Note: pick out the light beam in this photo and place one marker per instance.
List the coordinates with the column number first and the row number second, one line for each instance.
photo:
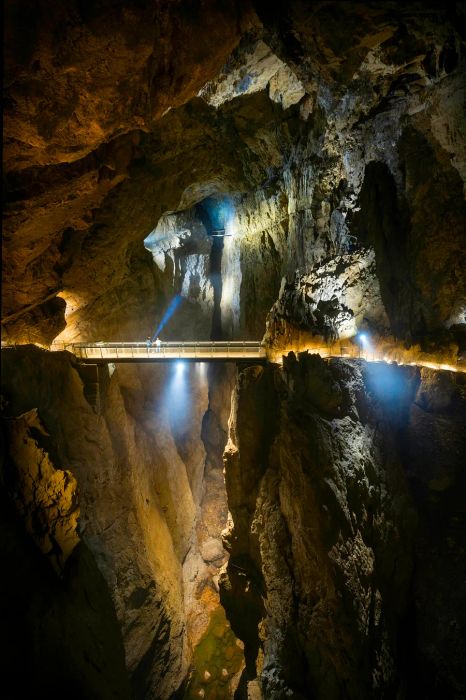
column 169, row 311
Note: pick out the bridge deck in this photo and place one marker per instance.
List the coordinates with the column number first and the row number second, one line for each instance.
column 207, row 351
column 249, row 351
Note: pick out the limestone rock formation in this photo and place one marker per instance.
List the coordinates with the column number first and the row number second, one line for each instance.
column 46, row 497
column 145, row 448
column 331, row 303
column 181, row 249
column 374, row 111
column 328, row 539
column 252, row 69
column 82, row 84
column 57, row 632
column 291, row 169
column 137, row 496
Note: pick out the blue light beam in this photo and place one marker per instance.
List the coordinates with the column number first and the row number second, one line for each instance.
column 169, row 311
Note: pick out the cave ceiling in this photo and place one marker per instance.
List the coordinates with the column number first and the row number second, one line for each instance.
column 325, row 123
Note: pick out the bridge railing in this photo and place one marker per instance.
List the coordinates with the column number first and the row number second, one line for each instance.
column 346, row 351
column 168, row 350
column 234, row 349
column 201, row 349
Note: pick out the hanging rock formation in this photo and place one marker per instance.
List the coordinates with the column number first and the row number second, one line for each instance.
column 366, row 153
column 326, row 140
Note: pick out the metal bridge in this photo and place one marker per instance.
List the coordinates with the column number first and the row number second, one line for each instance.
column 208, row 351
column 249, row 351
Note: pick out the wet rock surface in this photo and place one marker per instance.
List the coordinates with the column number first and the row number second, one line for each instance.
column 328, row 541
column 218, row 661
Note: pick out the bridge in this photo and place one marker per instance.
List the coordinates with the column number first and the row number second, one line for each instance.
column 250, row 351
column 207, row 351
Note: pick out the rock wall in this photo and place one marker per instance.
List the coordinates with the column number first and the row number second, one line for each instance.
column 335, row 133
column 328, row 305
column 83, row 84
column 331, row 484
column 330, row 137
column 45, row 497
column 149, row 518
column 59, row 634
column 344, row 483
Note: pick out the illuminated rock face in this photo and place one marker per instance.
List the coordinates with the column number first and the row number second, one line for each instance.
column 148, row 515
column 328, row 136
column 328, row 305
column 336, row 132
column 344, row 482
column 46, row 498
column 334, row 489
column 181, row 250
column 84, row 84
column 257, row 69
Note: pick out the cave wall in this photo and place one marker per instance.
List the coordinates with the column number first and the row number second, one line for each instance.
column 344, row 484
column 336, row 131
column 292, row 126
column 381, row 164
column 58, row 634
column 418, row 238
column 134, row 443
column 341, row 481
column 83, row 84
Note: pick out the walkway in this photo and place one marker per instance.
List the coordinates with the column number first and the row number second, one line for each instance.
column 225, row 351
column 222, row 351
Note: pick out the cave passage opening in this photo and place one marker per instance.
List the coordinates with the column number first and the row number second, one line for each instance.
column 306, row 181
column 216, row 213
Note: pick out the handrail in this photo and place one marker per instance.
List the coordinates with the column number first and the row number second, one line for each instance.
column 232, row 350
column 170, row 343
column 169, row 350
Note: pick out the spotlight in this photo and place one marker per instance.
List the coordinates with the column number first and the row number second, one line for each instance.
column 180, row 366
column 363, row 337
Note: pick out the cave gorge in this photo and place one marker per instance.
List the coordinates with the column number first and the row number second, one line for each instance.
column 233, row 350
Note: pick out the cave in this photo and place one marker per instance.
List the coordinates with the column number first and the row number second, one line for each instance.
column 233, row 377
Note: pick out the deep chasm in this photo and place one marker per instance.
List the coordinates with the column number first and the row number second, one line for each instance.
column 233, row 352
